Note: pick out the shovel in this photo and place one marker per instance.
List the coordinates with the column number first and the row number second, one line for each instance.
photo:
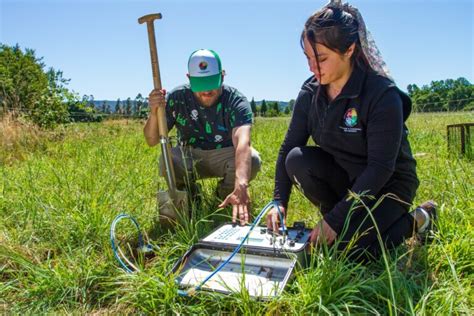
column 172, row 204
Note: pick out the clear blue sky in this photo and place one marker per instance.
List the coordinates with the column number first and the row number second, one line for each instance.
column 104, row 51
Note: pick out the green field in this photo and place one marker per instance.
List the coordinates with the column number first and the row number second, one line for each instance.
column 58, row 201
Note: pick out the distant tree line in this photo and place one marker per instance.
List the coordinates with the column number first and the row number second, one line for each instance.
column 41, row 95
column 443, row 95
column 137, row 108
column 271, row 109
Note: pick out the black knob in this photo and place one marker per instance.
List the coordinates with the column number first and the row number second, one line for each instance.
column 299, row 225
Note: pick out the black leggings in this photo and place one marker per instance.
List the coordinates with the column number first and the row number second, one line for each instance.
column 325, row 183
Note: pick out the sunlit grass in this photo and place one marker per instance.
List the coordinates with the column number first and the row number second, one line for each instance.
column 57, row 204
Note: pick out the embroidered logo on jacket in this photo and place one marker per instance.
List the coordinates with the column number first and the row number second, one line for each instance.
column 350, row 118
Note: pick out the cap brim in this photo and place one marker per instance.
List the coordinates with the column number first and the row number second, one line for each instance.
column 199, row 84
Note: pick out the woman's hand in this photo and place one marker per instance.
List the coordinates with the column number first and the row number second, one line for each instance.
column 322, row 233
column 273, row 218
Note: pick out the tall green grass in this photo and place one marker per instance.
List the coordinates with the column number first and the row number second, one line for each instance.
column 57, row 204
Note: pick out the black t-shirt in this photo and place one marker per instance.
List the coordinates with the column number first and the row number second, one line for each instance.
column 207, row 127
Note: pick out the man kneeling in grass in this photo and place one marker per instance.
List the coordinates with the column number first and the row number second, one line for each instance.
column 213, row 122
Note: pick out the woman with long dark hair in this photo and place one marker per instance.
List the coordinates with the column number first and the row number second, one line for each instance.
column 356, row 115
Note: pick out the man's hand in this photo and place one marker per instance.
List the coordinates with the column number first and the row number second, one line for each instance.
column 156, row 99
column 240, row 201
column 322, row 233
column 273, row 218
column 240, row 198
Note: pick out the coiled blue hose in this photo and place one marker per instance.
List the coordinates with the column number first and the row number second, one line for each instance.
column 115, row 248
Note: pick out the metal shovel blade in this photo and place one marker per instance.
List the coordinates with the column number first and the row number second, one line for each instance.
column 172, row 208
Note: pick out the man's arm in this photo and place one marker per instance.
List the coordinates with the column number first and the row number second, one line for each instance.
column 156, row 99
column 151, row 129
column 239, row 198
column 243, row 155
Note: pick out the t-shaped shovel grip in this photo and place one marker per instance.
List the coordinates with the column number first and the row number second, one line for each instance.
column 149, row 18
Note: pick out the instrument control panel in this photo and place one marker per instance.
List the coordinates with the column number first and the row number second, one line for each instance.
column 293, row 239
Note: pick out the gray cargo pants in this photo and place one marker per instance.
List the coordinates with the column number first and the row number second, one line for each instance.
column 191, row 163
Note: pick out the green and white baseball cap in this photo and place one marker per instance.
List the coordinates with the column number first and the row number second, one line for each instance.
column 205, row 70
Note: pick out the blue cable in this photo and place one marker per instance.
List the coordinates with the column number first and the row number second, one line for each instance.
column 112, row 239
column 255, row 222
column 283, row 226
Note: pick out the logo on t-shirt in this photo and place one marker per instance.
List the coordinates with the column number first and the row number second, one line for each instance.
column 194, row 115
column 350, row 118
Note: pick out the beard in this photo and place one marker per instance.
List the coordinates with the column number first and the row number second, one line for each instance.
column 208, row 98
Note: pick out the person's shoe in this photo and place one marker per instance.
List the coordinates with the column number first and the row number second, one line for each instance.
column 427, row 231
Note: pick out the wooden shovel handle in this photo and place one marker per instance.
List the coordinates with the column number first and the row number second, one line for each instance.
column 161, row 113
column 155, row 67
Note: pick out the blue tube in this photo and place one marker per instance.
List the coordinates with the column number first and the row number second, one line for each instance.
column 112, row 239
column 283, row 226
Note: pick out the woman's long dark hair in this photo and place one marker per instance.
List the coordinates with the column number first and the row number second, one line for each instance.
column 337, row 30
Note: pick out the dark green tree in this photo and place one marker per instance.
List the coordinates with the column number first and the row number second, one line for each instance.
column 28, row 89
column 128, row 106
column 276, row 108
column 38, row 94
column 103, row 107
column 253, row 106
column 118, row 107
column 263, row 108
column 22, row 79
column 291, row 105
column 139, row 101
column 145, row 110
